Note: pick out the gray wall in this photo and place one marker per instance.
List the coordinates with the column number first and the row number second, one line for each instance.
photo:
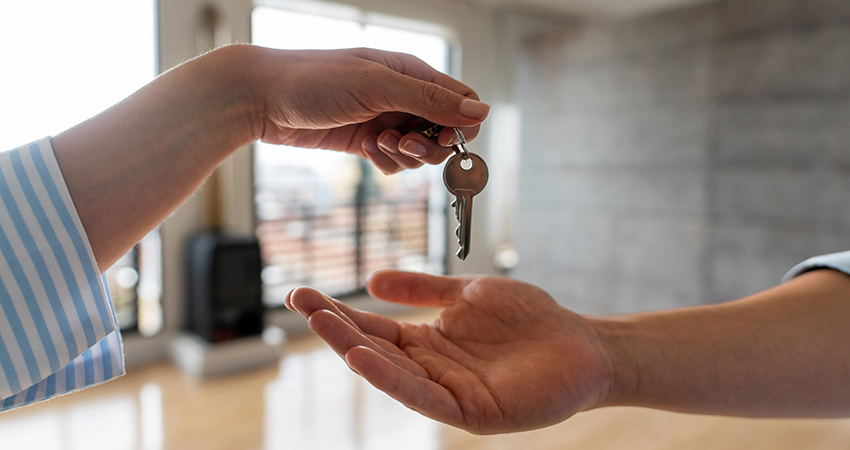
column 684, row 158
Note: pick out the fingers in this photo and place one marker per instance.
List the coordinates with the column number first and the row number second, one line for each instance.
column 423, row 149
column 342, row 336
column 401, row 83
column 416, row 289
column 428, row 151
column 448, row 138
column 414, row 67
column 418, row 393
column 383, row 162
column 341, row 331
column 306, row 301
column 433, row 102
column 388, row 142
column 391, row 151
column 409, row 85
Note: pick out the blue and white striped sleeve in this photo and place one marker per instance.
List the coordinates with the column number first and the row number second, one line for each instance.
column 58, row 331
column 835, row 261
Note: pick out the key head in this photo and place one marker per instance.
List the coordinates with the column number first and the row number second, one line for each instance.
column 469, row 174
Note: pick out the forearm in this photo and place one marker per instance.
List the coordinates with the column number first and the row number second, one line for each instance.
column 129, row 167
column 779, row 353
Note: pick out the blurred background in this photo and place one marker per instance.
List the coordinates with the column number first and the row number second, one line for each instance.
column 643, row 154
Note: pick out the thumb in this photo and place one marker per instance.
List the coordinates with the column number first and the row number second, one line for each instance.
column 416, row 289
column 433, row 102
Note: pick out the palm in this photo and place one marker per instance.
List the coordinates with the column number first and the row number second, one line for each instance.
column 501, row 356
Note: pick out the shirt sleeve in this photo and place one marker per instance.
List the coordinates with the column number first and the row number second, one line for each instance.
column 836, row 261
column 58, row 331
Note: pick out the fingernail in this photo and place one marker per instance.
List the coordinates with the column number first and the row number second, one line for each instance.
column 413, row 149
column 371, row 145
column 473, row 109
column 452, row 141
column 389, row 143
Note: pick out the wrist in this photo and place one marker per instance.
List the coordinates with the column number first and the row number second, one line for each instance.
column 618, row 341
column 231, row 90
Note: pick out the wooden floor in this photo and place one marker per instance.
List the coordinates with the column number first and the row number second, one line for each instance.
column 312, row 401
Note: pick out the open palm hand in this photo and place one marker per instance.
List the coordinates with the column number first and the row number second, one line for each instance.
column 502, row 356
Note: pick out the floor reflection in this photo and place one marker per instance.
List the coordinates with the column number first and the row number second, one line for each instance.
column 317, row 403
column 150, row 417
column 312, row 401
column 107, row 423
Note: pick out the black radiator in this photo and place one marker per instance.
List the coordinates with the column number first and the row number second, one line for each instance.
column 224, row 287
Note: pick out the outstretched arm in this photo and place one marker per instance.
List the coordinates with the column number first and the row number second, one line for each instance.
column 129, row 167
column 503, row 356
column 778, row 353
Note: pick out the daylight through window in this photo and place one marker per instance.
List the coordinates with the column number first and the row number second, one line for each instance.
column 68, row 61
column 329, row 219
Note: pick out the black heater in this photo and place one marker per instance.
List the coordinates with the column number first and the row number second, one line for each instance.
column 225, row 289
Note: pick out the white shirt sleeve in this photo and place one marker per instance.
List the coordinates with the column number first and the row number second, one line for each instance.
column 58, row 331
column 836, row 261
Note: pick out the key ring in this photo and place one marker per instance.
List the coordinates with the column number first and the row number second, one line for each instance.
column 461, row 145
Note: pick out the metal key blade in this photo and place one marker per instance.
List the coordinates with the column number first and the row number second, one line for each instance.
column 464, row 228
column 465, row 175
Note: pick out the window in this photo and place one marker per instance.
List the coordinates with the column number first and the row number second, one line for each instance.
column 330, row 219
column 67, row 62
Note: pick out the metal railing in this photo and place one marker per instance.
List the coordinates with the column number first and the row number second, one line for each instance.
column 334, row 247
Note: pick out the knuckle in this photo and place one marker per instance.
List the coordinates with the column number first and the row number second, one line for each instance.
column 434, row 95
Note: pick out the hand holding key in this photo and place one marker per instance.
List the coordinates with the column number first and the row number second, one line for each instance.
column 356, row 100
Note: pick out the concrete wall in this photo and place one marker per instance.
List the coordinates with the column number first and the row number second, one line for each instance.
column 684, row 158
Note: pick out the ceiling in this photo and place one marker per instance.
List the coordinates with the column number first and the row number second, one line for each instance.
column 594, row 8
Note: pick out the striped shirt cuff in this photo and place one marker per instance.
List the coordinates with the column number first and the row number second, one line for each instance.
column 835, row 261
column 56, row 319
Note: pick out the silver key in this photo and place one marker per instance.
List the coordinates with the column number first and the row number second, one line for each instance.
column 465, row 175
